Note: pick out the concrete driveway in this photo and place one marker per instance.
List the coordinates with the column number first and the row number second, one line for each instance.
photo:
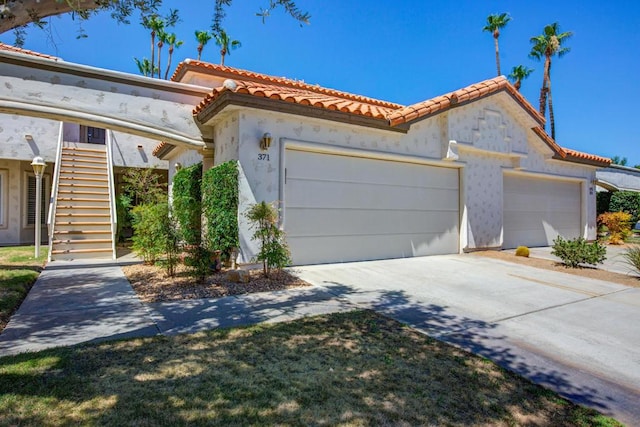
column 577, row 336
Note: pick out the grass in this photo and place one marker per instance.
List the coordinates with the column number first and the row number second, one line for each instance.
column 350, row 369
column 19, row 269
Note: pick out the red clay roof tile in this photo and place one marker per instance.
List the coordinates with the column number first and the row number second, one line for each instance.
column 10, row 48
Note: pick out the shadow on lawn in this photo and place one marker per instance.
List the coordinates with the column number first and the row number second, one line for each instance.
column 350, row 367
column 355, row 367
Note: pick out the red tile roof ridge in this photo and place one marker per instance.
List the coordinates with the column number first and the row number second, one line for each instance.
column 246, row 75
column 586, row 156
column 10, row 48
column 159, row 147
column 466, row 94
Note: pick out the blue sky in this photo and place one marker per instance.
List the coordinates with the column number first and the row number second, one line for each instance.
column 408, row 51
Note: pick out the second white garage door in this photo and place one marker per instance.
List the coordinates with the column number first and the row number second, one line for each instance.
column 536, row 211
column 341, row 208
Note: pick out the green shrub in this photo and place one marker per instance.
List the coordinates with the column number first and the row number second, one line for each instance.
column 143, row 186
column 149, row 230
column 123, row 213
column 603, row 200
column 632, row 257
column 220, row 208
column 578, row 251
column 274, row 252
column 626, row 201
column 198, row 260
column 522, row 251
column 187, row 202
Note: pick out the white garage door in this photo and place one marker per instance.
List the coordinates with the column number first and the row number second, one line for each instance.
column 341, row 208
column 536, row 211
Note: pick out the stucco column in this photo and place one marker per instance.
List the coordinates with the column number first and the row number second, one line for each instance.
column 207, row 158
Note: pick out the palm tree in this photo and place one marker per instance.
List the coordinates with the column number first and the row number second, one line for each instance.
column 519, row 73
column 144, row 66
column 155, row 24
column 547, row 45
column 162, row 39
column 494, row 24
column 203, row 38
column 173, row 42
column 224, row 42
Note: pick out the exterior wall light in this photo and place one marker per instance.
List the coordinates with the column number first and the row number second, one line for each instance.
column 265, row 141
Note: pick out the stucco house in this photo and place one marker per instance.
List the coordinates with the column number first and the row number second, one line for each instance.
column 82, row 190
column 359, row 178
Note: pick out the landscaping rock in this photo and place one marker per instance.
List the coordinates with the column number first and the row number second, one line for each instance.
column 238, row 276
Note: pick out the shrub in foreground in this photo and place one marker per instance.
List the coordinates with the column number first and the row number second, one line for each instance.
column 274, row 252
column 522, row 251
column 632, row 257
column 578, row 251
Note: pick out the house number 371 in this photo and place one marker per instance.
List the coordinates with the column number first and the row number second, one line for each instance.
column 263, row 157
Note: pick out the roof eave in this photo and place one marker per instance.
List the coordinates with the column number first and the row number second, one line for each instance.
column 226, row 98
column 582, row 161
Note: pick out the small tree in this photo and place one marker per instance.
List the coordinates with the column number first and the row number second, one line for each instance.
column 274, row 252
column 619, row 225
column 143, row 185
column 149, row 241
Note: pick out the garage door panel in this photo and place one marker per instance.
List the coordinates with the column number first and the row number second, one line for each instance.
column 362, row 248
column 537, row 210
column 351, row 195
column 358, row 222
column 341, row 208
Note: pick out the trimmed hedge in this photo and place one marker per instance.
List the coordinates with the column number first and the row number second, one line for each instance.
column 187, row 202
column 626, row 201
column 220, row 207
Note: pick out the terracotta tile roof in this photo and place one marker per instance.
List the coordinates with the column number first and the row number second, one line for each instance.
column 461, row 96
column 571, row 155
column 10, row 48
column 288, row 90
column 159, row 147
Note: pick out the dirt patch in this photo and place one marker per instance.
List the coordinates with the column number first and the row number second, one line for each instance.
column 592, row 273
column 152, row 284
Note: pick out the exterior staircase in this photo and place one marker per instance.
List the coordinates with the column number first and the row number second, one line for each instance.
column 82, row 223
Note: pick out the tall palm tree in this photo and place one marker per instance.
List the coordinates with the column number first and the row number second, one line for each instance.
column 144, row 66
column 155, row 24
column 519, row 73
column 494, row 24
column 224, row 42
column 548, row 45
column 162, row 39
column 203, row 38
column 173, row 43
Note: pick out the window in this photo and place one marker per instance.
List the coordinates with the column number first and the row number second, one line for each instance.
column 31, row 200
column 92, row 135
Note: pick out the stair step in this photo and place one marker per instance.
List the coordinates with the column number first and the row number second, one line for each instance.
column 86, row 193
column 82, row 149
column 80, row 241
column 90, row 215
column 75, row 185
column 82, row 199
column 74, row 166
column 79, row 251
column 75, row 173
column 66, row 151
column 82, row 207
column 77, row 178
column 85, row 161
column 77, row 233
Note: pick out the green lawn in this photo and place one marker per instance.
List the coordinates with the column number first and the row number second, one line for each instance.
column 18, row 270
column 350, row 369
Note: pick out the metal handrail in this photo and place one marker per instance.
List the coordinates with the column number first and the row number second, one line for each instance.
column 112, row 192
column 53, row 200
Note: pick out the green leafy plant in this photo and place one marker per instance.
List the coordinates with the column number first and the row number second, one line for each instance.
column 522, row 251
column 626, row 201
column 632, row 257
column 220, row 208
column 149, row 225
column 603, row 200
column 578, row 251
column 144, row 186
column 199, row 261
column 123, row 213
column 274, row 252
column 187, row 202
column 618, row 225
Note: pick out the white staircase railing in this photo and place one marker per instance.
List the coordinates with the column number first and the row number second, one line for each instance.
column 112, row 192
column 53, row 200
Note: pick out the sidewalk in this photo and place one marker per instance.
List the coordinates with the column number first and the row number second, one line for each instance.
column 75, row 302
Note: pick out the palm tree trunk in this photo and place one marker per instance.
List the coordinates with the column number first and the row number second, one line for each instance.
column 552, row 119
column 517, row 85
column 544, row 91
column 159, row 58
column 223, row 53
column 199, row 51
column 166, row 73
column 495, row 39
column 153, row 50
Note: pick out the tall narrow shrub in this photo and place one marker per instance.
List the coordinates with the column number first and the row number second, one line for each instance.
column 187, row 202
column 220, row 208
column 274, row 252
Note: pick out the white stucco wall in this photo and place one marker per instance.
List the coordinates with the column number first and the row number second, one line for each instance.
column 23, row 138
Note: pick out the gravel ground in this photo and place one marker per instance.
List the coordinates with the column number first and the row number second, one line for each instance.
column 152, row 284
